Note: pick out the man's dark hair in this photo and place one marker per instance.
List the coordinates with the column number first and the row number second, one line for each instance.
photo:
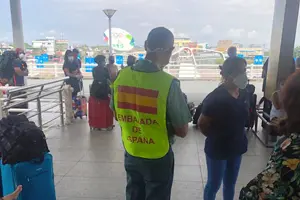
column 99, row 58
column 67, row 53
column 131, row 60
column 111, row 59
column 232, row 51
column 75, row 51
column 231, row 65
column 159, row 39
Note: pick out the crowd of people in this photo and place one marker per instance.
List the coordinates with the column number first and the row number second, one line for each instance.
column 156, row 96
column 151, row 109
column 13, row 68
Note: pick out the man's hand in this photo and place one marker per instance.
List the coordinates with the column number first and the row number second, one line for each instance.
column 14, row 195
column 79, row 76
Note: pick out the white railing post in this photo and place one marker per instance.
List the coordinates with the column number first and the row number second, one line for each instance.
column 55, row 70
column 2, row 113
column 251, row 71
column 67, row 93
column 195, row 71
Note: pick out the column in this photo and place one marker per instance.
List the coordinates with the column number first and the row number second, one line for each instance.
column 17, row 25
column 282, row 43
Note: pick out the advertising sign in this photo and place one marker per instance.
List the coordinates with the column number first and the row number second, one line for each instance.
column 121, row 39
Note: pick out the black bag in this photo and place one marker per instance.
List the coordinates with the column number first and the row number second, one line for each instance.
column 252, row 99
column 197, row 114
column 21, row 140
column 6, row 64
column 100, row 90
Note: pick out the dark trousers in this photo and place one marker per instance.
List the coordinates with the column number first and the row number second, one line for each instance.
column 149, row 179
column 218, row 171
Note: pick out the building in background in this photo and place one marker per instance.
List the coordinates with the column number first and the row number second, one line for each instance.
column 61, row 45
column 250, row 52
column 203, row 45
column 5, row 47
column 238, row 45
column 182, row 42
column 223, row 45
column 47, row 45
column 255, row 46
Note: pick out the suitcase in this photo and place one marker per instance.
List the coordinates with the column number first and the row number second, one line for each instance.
column 37, row 179
column 80, row 103
column 100, row 114
column 80, row 106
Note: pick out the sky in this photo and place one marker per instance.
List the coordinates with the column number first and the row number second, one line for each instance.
column 83, row 22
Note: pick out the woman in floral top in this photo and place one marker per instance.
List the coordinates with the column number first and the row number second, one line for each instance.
column 281, row 178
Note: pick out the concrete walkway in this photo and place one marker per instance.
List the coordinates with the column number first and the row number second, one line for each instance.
column 89, row 165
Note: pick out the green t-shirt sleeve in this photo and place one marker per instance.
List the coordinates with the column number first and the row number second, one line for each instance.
column 177, row 109
column 111, row 103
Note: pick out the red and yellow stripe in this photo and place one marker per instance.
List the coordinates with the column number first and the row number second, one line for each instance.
column 138, row 99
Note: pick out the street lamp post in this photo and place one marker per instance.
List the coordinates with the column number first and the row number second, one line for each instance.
column 109, row 13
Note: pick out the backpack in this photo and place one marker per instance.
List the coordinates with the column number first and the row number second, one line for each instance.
column 21, row 140
column 252, row 99
column 6, row 64
column 197, row 114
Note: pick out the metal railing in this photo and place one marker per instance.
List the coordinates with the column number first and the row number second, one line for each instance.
column 264, row 138
column 42, row 103
column 182, row 71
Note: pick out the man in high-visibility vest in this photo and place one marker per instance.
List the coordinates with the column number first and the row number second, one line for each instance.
column 151, row 109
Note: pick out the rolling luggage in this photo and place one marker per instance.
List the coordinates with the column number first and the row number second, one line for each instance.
column 80, row 104
column 36, row 178
column 100, row 114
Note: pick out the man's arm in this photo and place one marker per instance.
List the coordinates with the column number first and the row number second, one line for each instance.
column 67, row 72
column 19, row 72
column 112, row 104
column 18, row 68
column 204, row 123
column 212, row 107
column 177, row 110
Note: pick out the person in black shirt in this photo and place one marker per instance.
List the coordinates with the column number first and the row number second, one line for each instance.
column 20, row 68
column 222, row 121
column 100, row 86
column 76, row 57
column 72, row 69
column 131, row 60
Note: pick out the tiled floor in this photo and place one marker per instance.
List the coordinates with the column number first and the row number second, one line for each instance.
column 89, row 165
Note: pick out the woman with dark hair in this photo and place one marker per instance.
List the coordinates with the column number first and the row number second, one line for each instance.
column 281, row 178
column 222, row 121
column 100, row 86
column 131, row 60
column 72, row 70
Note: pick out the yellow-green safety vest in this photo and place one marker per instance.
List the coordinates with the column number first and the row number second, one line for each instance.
column 140, row 100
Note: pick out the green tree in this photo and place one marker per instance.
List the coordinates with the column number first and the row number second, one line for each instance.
column 27, row 46
column 297, row 52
